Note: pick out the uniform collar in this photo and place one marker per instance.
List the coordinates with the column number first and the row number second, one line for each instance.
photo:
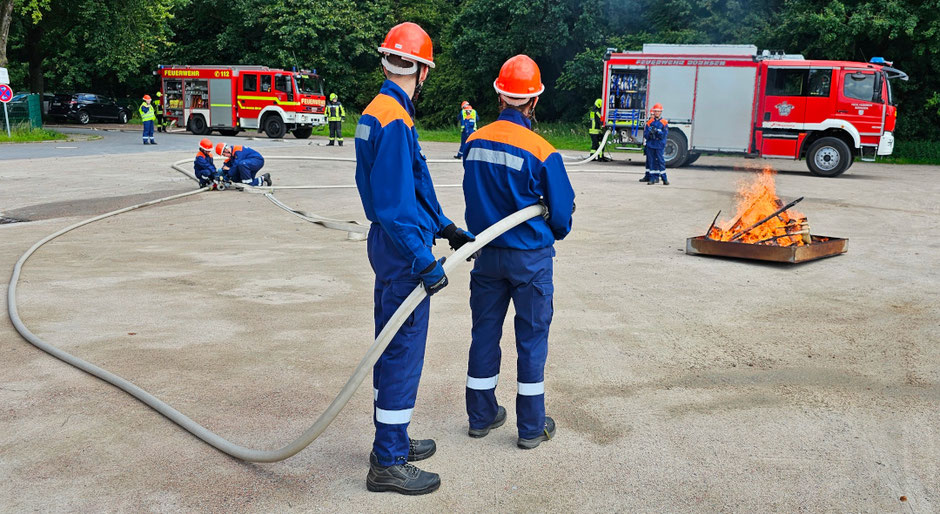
column 516, row 117
column 393, row 90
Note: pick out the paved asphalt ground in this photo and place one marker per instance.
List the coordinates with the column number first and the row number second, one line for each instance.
column 680, row 383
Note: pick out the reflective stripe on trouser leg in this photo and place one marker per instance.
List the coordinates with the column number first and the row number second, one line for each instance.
column 396, row 374
column 533, row 304
column 489, row 300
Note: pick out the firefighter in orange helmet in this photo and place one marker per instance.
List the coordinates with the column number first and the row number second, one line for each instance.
column 203, row 165
column 654, row 137
column 398, row 197
column 507, row 167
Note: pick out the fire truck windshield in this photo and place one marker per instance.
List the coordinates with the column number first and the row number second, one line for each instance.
column 890, row 99
column 309, row 84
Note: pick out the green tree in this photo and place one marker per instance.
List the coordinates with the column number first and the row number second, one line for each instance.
column 82, row 43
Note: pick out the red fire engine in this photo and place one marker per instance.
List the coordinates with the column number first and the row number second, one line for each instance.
column 234, row 98
column 730, row 99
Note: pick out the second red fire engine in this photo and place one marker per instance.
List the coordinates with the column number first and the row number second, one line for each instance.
column 730, row 99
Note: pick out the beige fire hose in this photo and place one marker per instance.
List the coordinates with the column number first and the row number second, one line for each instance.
column 343, row 397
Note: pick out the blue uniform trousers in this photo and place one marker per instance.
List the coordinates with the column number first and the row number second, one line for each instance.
column 656, row 163
column 148, row 131
column 463, row 141
column 525, row 277
column 396, row 374
column 245, row 171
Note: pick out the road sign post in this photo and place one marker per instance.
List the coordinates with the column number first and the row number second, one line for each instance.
column 6, row 94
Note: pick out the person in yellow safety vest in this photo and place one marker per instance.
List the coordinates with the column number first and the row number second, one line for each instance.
column 335, row 115
column 468, row 125
column 597, row 128
column 158, row 105
column 147, row 116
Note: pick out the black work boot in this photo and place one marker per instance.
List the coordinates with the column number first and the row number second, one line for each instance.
column 646, row 177
column 497, row 422
column 340, row 143
column 548, row 433
column 418, row 449
column 329, row 144
column 665, row 181
column 402, row 478
column 266, row 179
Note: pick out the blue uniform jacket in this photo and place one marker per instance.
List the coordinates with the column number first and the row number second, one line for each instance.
column 243, row 154
column 204, row 166
column 393, row 179
column 507, row 167
column 655, row 134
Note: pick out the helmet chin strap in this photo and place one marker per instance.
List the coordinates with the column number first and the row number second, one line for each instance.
column 418, row 83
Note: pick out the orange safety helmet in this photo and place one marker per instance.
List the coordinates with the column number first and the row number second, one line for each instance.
column 219, row 148
column 465, row 105
column 409, row 41
column 657, row 107
column 205, row 145
column 147, row 97
column 519, row 78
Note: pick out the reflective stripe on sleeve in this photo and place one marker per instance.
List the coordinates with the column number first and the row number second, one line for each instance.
column 495, row 157
column 375, row 394
column 363, row 131
column 393, row 417
column 482, row 384
column 533, row 389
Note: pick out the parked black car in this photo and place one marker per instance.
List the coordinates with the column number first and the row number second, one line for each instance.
column 87, row 107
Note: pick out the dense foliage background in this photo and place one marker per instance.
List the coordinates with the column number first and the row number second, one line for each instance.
column 112, row 46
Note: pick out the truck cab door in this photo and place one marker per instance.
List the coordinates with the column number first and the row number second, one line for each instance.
column 860, row 102
column 782, row 111
column 820, row 98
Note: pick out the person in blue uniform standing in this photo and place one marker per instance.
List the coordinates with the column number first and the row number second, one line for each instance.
column 508, row 167
column 242, row 165
column 398, row 198
column 203, row 165
column 654, row 135
column 468, row 125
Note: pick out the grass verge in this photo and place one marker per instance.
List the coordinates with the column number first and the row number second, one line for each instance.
column 24, row 133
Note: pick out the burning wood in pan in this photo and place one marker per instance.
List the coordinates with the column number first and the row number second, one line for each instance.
column 764, row 228
column 761, row 217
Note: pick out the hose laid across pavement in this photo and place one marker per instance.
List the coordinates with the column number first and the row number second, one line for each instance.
column 211, row 438
column 600, row 148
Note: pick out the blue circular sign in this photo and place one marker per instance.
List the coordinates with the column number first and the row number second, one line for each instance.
column 5, row 93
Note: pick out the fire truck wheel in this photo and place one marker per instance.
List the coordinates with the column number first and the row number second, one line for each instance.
column 198, row 126
column 302, row 133
column 828, row 157
column 274, row 127
column 692, row 158
column 677, row 149
column 229, row 132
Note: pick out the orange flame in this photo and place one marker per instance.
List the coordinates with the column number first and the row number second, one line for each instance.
column 756, row 199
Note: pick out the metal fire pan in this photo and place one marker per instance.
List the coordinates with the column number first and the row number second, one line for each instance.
column 792, row 254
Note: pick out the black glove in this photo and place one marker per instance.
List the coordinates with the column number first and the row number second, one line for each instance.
column 433, row 277
column 457, row 236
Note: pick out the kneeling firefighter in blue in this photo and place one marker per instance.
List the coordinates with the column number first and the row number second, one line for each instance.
column 654, row 135
column 242, row 165
column 508, row 167
column 398, row 198
column 203, row 165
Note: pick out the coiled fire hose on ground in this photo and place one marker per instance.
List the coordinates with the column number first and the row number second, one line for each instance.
column 211, row 438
